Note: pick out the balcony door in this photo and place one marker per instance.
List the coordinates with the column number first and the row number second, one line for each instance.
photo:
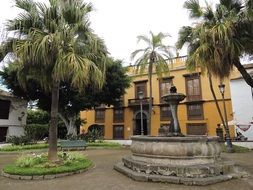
column 137, row 129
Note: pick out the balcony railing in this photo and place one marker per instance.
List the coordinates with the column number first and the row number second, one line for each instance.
column 136, row 102
column 193, row 97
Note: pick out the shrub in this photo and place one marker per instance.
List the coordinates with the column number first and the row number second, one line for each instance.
column 19, row 140
column 37, row 131
column 93, row 135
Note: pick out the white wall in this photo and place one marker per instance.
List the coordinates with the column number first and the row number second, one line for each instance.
column 17, row 116
column 242, row 102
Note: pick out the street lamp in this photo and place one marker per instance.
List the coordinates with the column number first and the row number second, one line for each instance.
column 140, row 94
column 228, row 139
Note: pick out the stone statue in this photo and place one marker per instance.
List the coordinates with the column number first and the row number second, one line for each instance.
column 173, row 89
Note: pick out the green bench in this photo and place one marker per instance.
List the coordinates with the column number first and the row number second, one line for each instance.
column 73, row 144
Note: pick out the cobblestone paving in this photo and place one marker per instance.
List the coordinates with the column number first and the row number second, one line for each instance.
column 103, row 177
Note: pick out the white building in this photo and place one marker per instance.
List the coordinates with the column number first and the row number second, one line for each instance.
column 13, row 112
column 242, row 102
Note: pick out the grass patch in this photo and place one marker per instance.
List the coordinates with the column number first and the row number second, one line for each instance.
column 236, row 148
column 105, row 144
column 11, row 148
column 37, row 165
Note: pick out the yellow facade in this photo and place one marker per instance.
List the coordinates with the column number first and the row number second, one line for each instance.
column 178, row 75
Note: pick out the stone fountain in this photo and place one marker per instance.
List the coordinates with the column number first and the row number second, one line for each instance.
column 174, row 158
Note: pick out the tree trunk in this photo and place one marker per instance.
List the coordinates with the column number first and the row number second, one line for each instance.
column 215, row 98
column 150, row 71
column 246, row 76
column 72, row 128
column 70, row 124
column 228, row 139
column 52, row 152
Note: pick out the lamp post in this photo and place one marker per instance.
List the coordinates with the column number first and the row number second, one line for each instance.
column 228, row 139
column 140, row 94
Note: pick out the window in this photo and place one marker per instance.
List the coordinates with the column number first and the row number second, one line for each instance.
column 118, row 115
column 4, row 109
column 196, row 129
column 99, row 115
column 193, row 90
column 165, row 113
column 165, row 85
column 140, row 86
column 195, row 111
column 118, row 132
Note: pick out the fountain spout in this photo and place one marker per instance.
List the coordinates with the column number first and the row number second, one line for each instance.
column 173, row 99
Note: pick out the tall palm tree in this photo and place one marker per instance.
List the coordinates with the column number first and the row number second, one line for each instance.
column 226, row 33
column 54, row 43
column 155, row 55
column 216, row 41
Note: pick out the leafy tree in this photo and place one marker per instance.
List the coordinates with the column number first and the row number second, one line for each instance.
column 53, row 44
column 154, row 56
column 71, row 100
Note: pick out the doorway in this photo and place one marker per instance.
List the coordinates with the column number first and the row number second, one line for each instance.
column 137, row 130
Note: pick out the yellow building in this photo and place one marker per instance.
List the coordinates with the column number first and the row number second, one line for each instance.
column 197, row 113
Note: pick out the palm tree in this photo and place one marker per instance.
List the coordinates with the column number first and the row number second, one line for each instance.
column 225, row 33
column 54, row 43
column 216, row 42
column 154, row 55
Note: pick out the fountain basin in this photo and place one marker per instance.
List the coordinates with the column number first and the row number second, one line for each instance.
column 189, row 160
column 184, row 151
column 173, row 97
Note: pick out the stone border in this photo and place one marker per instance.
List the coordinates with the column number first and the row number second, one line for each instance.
column 138, row 176
column 45, row 177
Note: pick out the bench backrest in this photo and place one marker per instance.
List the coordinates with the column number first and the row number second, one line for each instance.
column 73, row 143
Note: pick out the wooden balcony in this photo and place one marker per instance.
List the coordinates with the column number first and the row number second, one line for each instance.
column 193, row 97
column 136, row 102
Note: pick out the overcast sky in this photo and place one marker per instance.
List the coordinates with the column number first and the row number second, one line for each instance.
column 119, row 22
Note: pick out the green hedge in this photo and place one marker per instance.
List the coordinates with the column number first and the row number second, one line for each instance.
column 11, row 148
column 37, row 131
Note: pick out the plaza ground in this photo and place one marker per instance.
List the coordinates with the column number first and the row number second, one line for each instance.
column 103, row 177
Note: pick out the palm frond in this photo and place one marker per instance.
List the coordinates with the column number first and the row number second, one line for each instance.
column 184, row 36
column 143, row 38
column 194, row 8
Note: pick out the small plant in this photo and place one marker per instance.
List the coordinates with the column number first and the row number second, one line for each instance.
column 94, row 135
column 31, row 160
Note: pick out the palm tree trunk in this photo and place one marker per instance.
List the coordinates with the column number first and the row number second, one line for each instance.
column 52, row 152
column 228, row 139
column 215, row 98
column 150, row 70
column 248, row 79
